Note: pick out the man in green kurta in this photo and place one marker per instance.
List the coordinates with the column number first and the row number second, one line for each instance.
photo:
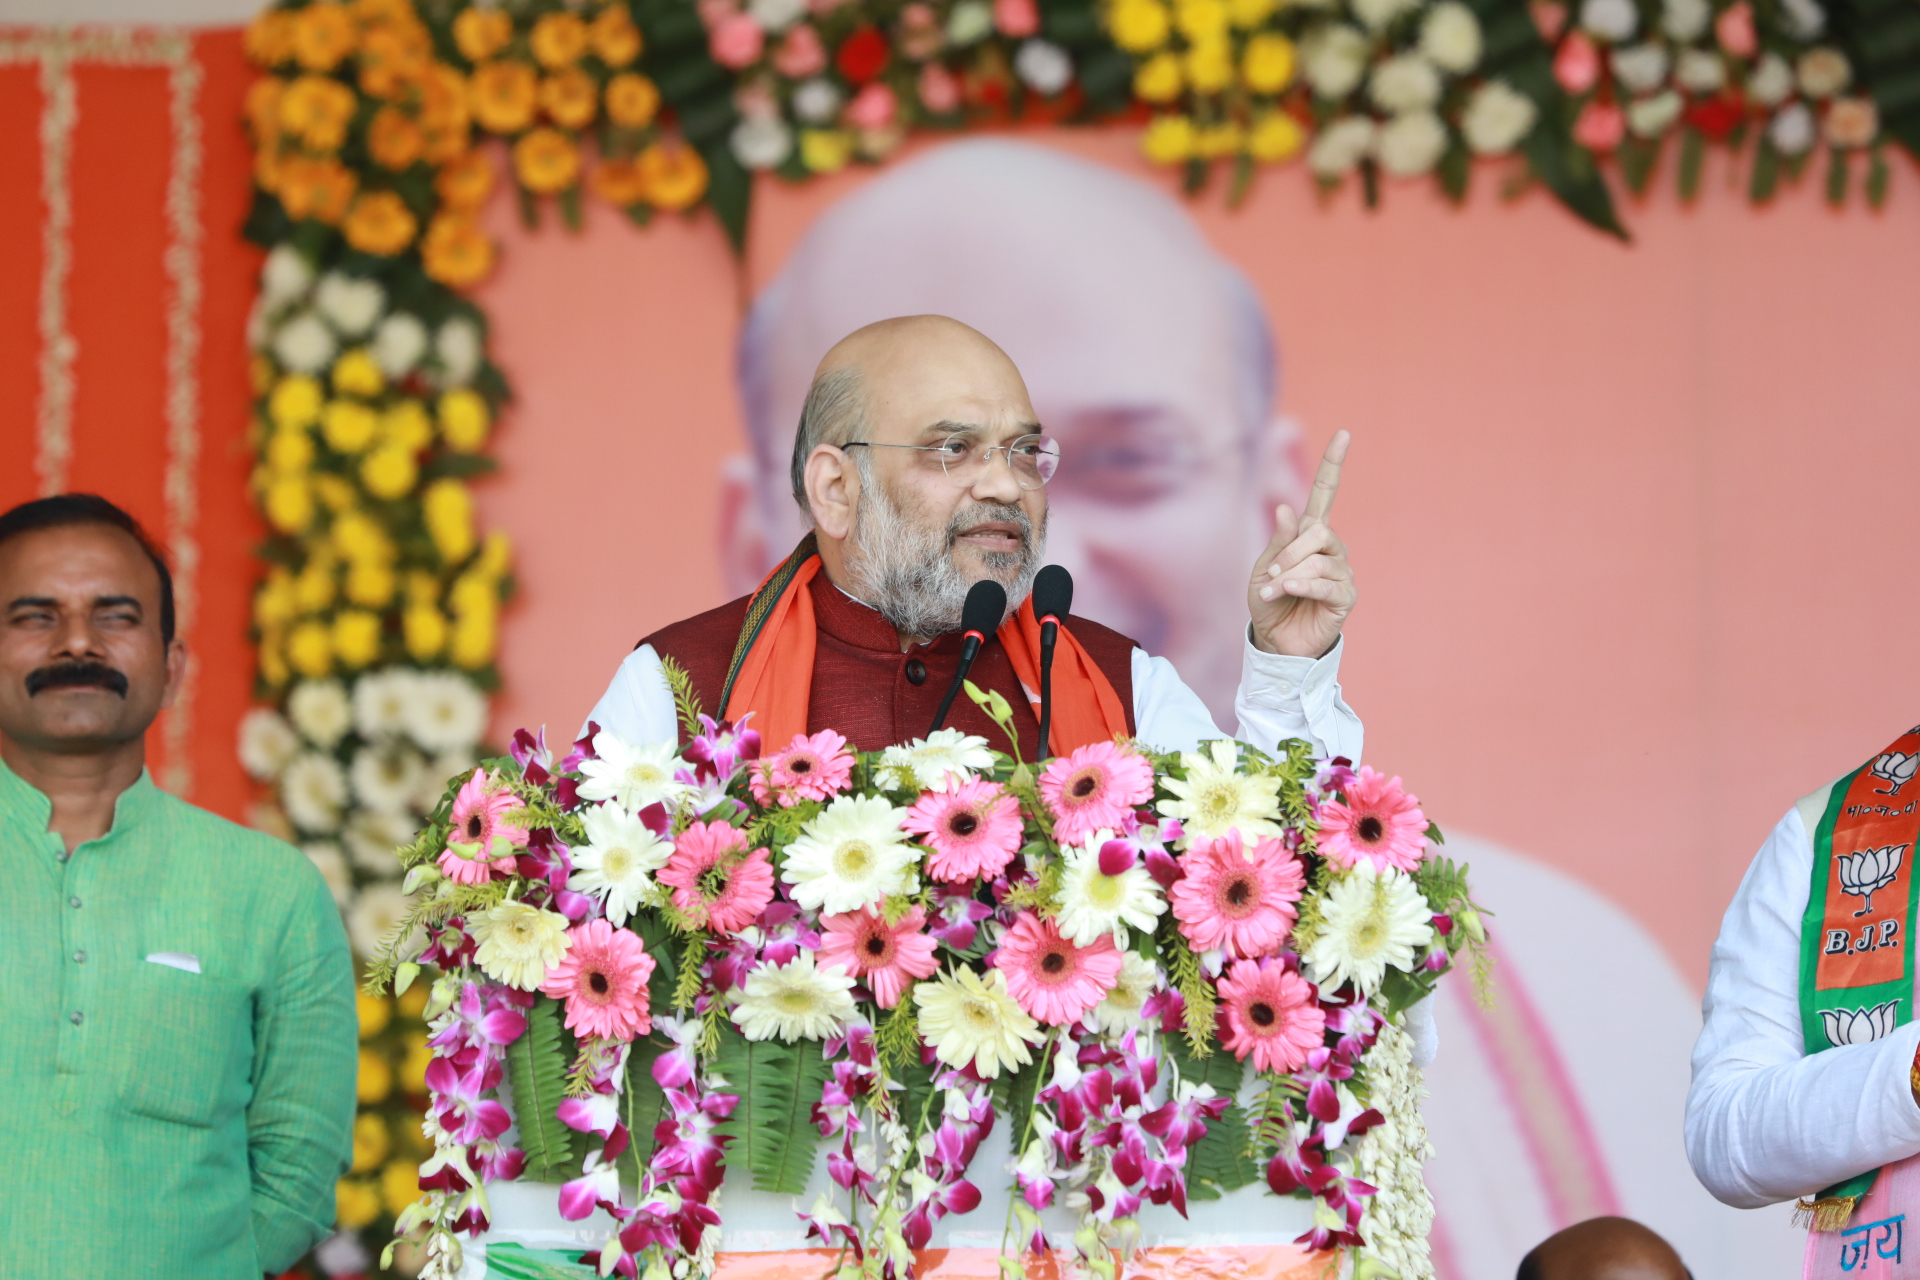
column 177, row 1033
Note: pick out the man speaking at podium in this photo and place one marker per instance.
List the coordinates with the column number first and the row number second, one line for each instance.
column 922, row 468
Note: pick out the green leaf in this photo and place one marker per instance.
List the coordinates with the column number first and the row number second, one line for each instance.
column 1222, row 1160
column 1838, row 173
column 772, row 1127
column 1636, row 157
column 1013, row 1094
column 1877, row 177
column 1766, row 173
column 1221, row 1070
column 537, row 1074
column 1693, row 153
column 729, row 191
column 644, row 1101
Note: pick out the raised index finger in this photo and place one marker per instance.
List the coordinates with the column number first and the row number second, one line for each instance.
column 1327, row 482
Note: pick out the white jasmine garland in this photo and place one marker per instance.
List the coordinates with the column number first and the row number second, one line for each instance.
column 761, row 142
column 1642, row 68
column 852, row 855
column 618, row 862
column 794, row 1001
column 1611, row 20
column 1497, row 117
column 1377, row 14
column 350, row 304
column 321, row 711
column 376, row 912
column 284, row 277
column 632, row 776
column 1370, row 920
column 399, row 343
column 312, row 790
column 1685, row 20
column 1093, row 904
column 1771, row 82
column 777, row 15
column 446, row 711
column 457, row 347
column 381, row 701
column 1804, row 19
column 1411, row 144
column 1651, row 117
column 518, row 943
column 1333, row 58
column 304, row 344
column 332, row 864
column 1700, row 70
column 385, row 777
column 1044, row 66
column 1404, row 82
column 268, row 743
column 1450, row 37
column 1792, row 130
column 1389, row 1156
column 816, row 101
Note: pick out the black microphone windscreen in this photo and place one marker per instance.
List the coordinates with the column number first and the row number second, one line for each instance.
column 985, row 609
column 1052, row 592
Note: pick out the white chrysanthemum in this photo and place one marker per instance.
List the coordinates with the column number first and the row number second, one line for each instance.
column 852, row 855
column 1369, row 919
column 518, row 943
column 1649, row 117
column 816, row 101
column 972, row 1018
column 399, row 343
column 1379, row 13
column 1216, row 798
column 1792, row 130
column 313, row 788
column 633, row 776
column 1772, row 80
column 944, row 759
column 1093, row 904
column 1611, row 20
column 350, row 304
column 1044, row 66
column 380, row 702
column 1824, row 72
column 1405, row 82
column 457, row 347
column 446, row 712
column 376, row 912
column 1804, row 19
column 1340, row 146
column 777, row 15
column 1497, row 117
column 1642, row 68
column 1450, row 36
column 304, row 344
column 1685, row 20
column 268, row 743
column 440, row 771
column 284, row 276
column 373, row 840
column 1700, row 70
column 794, row 1001
column 617, row 863
column 1333, row 58
column 321, row 711
column 761, row 142
column 385, row 777
column 970, row 20
column 1409, row 145
column 1119, row 1010
column 326, row 855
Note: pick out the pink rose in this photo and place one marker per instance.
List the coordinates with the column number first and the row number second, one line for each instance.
column 1734, row 29
column 874, row 107
column 736, row 42
column 801, row 54
column 1600, row 127
column 1577, row 65
column 1549, row 19
column 939, row 91
column 1016, row 18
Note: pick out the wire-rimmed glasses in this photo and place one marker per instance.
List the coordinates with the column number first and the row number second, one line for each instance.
column 1033, row 459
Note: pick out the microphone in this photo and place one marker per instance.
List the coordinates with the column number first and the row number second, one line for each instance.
column 979, row 618
column 1052, row 600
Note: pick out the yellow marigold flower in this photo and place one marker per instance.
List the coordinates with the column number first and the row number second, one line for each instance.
column 475, row 637
column 1202, row 19
column 266, row 168
column 348, row 426
column 1276, row 137
column 424, row 628
column 400, row 1182
column 1139, row 26
column 335, row 492
column 632, row 100
column 393, row 140
column 320, row 189
column 1168, row 140
column 1159, row 78
column 269, row 39
column 313, row 586
column 389, row 472
column 1247, row 14
column 392, row 57
column 357, row 373
column 371, row 583
column 546, row 161
column 825, row 150
column 358, row 536
column 1268, row 63
column 322, row 35
column 380, row 224
column 318, row 109
column 262, row 108
column 289, row 451
column 372, row 1144
column 1210, row 66
column 473, row 593
column 675, row 175
column 356, row 638
column 570, row 98
column 456, row 251
column 295, row 401
column 273, row 602
column 289, row 504
column 616, row 41
column 356, row 1203
column 273, row 662
column 413, row 1068
column 619, row 182
column 464, row 419
column 407, row 426
column 558, row 40
column 1218, row 140
column 496, row 554
column 447, row 510
column 260, row 373
column 310, row 652
column 481, row 33
column 503, row 95
column 374, row 1013
column 466, row 182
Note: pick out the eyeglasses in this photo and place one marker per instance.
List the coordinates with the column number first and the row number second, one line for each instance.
column 1032, row 459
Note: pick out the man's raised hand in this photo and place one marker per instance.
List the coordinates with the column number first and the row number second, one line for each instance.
column 1302, row 588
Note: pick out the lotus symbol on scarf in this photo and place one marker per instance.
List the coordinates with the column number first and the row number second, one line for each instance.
column 1859, row 1026
column 1865, row 873
column 1895, row 768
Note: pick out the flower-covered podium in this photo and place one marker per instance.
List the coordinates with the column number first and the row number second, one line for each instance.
column 935, row 1010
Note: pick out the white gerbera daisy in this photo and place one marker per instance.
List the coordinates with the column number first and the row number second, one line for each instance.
column 851, row 856
column 1093, row 903
column 446, row 712
column 617, row 863
column 312, row 790
column 321, row 711
column 970, row 1018
column 1369, row 919
column 519, row 943
column 385, row 776
column 373, row 839
column 794, row 1001
column 1215, row 798
column 634, row 776
column 1119, row 1011
column 380, row 702
column 942, row 760
column 268, row 743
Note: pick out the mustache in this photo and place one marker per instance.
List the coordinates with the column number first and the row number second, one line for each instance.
column 76, row 675
column 990, row 512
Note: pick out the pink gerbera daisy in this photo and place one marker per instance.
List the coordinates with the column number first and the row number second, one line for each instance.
column 603, row 979
column 1237, row 899
column 806, row 769
column 715, row 880
column 480, row 840
column 973, row 830
column 1379, row 823
column 1051, row 978
column 1270, row 1013
column 1093, row 787
column 884, row 956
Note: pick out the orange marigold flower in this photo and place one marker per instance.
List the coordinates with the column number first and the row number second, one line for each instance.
column 263, row 108
column 380, row 223
column 619, row 182
column 546, row 160
column 322, row 35
column 456, row 252
column 616, row 41
column 266, row 170
column 466, row 182
column 632, row 100
column 481, row 33
column 444, row 144
column 502, row 95
column 319, row 189
column 370, row 11
column 393, row 140
column 558, row 40
column 318, row 108
column 570, row 98
column 269, row 39
column 675, row 174
column 392, row 57
column 443, row 98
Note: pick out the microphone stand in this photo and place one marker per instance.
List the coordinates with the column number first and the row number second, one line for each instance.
column 1049, row 633
column 968, row 651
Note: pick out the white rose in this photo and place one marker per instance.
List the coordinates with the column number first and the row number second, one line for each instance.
column 1497, row 117
column 399, row 343
column 1045, row 66
column 326, row 855
column 1333, row 57
column 761, row 142
column 970, row 20
column 1450, row 37
column 1340, row 145
column 351, row 305
column 1700, row 70
column 268, row 743
column 1378, row 13
column 816, row 101
column 312, row 790
column 1651, row 117
column 1824, row 72
column 1685, row 20
column 1771, row 81
column 285, row 276
column 1406, row 82
column 321, row 711
column 1792, row 130
column 1641, row 67
column 1805, row 19
column 1612, row 20
column 777, row 15
column 304, row 344
column 1411, row 144
column 457, row 346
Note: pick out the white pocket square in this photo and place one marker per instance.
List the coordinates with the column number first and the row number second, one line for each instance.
column 176, row 960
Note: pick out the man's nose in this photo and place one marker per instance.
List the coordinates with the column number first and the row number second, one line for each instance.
column 996, row 482
column 77, row 637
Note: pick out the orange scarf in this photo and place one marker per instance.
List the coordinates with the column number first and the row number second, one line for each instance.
column 772, row 669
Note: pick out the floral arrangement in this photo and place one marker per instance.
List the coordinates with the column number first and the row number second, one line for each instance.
column 1171, row 976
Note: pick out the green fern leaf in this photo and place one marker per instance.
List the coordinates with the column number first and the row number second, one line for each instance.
column 772, row 1128
column 537, row 1073
column 1221, row 1160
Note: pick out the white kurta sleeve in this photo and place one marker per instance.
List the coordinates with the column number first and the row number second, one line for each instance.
column 1280, row 697
column 1765, row 1121
column 638, row 706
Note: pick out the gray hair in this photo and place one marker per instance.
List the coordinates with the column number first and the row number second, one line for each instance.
column 833, row 414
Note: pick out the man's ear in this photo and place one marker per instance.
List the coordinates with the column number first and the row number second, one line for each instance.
column 176, row 671
column 833, row 490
